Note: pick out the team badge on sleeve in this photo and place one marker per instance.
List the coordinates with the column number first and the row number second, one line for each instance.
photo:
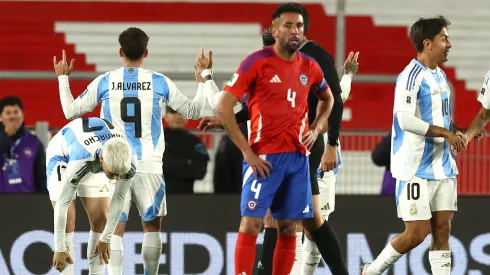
column 303, row 79
column 233, row 80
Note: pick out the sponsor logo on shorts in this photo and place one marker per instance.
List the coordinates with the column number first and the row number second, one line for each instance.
column 326, row 207
column 252, row 205
column 104, row 189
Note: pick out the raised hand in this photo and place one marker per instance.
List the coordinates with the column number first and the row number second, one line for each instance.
column 350, row 65
column 204, row 62
column 61, row 67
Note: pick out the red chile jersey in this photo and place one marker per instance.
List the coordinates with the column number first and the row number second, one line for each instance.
column 277, row 92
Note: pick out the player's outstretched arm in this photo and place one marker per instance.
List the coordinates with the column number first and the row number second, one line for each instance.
column 191, row 109
column 67, row 195
column 477, row 126
column 350, row 69
column 87, row 101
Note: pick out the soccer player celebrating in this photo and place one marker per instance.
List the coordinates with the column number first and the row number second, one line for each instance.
column 79, row 151
column 422, row 161
column 277, row 81
column 132, row 98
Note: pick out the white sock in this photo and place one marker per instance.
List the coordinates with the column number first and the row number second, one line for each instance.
column 69, row 268
column 299, row 257
column 94, row 266
column 440, row 262
column 151, row 250
column 385, row 260
column 117, row 256
column 311, row 257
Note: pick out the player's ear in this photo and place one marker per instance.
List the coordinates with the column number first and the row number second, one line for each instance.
column 121, row 53
column 146, row 53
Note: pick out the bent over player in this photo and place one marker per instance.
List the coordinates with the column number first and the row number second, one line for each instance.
column 132, row 99
column 277, row 81
column 82, row 148
column 421, row 158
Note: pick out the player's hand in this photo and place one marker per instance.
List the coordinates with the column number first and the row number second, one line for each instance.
column 458, row 142
column 103, row 250
column 350, row 65
column 329, row 159
column 208, row 123
column 310, row 137
column 60, row 259
column 203, row 62
column 481, row 134
column 61, row 67
column 258, row 165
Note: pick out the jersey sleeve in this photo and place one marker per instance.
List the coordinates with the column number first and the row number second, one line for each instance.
column 69, row 185
column 484, row 97
column 176, row 100
column 406, row 91
column 85, row 102
column 243, row 78
column 319, row 84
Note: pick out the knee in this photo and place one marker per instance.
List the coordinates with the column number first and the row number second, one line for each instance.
column 417, row 235
column 269, row 222
column 287, row 228
column 441, row 233
column 251, row 225
column 98, row 222
column 154, row 225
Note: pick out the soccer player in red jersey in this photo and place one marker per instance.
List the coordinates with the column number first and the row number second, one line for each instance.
column 277, row 81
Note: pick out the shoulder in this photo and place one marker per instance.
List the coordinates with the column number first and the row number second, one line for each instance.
column 412, row 74
column 314, row 49
column 309, row 61
column 256, row 58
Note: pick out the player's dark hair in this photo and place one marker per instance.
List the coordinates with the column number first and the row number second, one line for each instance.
column 296, row 8
column 133, row 42
column 427, row 28
column 11, row 100
column 267, row 38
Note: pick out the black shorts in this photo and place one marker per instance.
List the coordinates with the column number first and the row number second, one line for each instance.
column 314, row 161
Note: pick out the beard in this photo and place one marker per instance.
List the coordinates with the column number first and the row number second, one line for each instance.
column 290, row 48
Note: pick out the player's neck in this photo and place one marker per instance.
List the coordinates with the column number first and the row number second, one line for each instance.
column 131, row 63
column 427, row 61
column 284, row 55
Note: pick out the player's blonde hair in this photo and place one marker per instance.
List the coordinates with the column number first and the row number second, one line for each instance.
column 117, row 155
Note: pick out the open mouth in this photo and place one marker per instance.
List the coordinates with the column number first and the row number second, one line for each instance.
column 294, row 39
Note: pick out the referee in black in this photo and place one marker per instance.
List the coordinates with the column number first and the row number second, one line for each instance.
column 323, row 235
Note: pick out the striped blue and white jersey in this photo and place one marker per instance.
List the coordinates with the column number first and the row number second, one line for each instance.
column 484, row 96
column 424, row 93
column 132, row 100
column 78, row 146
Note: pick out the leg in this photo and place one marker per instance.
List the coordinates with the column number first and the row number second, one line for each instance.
column 264, row 267
column 444, row 204
column 149, row 197
column 257, row 196
column 415, row 212
column 95, row 195
column 298, row 254
column 292, row 202
column 97, row 210
column 324, row 205
column 69, row 235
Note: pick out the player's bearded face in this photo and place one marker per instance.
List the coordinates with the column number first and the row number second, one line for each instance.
column 289, row 31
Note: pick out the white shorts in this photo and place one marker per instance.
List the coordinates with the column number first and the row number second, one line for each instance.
column 91, row 186
column 417, row 198
column 148, row 193
column 326, row 186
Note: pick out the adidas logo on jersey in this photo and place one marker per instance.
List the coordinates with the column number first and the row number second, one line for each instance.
column 275, row 79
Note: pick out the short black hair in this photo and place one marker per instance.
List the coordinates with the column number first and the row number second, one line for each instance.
column 426, row 28
column 296, row 8
column 267, row 38
column 133, row 42
column 11, row 100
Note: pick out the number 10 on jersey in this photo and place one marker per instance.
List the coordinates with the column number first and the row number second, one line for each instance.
column 292, row 97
